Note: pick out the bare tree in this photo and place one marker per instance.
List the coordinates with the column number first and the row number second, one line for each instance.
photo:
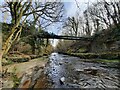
column 21, row 11
column 88, row 29
column 72, row 24
column 106, row 12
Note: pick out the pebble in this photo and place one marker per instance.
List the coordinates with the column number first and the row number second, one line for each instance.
column 75, row 81
column 60, row 63
column 79, row 70
column 62, row 80
column 53, row 69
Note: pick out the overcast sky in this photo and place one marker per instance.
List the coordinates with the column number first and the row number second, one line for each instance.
column 71, row 8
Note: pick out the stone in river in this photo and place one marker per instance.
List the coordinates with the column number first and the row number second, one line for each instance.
column 75, row 81
column 53, row 69
column 62, row 80
column 91, row 70
column 60, row 63
column 79, row 70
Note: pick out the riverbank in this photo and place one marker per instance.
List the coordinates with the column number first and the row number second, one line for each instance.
column 19, row 58
column 14, row 73
column 110, row 59
column 78, row 73
column 81, row 73
column 104, row 55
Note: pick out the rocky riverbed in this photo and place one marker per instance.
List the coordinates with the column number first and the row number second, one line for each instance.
column 63, row 71
column 72, row 72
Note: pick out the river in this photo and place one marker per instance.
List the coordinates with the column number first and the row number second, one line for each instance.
column 72, row 72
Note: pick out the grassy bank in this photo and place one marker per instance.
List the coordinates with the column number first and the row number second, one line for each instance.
column 8, row 60
column 111, row 60
column 104, row 61
column 107, row 55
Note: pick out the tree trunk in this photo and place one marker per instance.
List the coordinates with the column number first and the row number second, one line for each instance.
column 9, row 41
column 33, row 49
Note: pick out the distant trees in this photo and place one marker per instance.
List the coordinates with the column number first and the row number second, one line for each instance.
column 106, row 12
column 63, row 45
column 44, row 13
column 96, row 17
column 87, row 23
column 77, row 25
column 72, row 24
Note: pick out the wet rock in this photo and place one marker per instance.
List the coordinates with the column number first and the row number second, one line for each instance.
column 35, row 76
column 30, row 77
column 60, row 63
column 73, row 85
column 79, row 70
column 91, row 82
column 74, row 81
column 100, row 85
column 66, row 62
column 91, row 70
column 81, row 83
column 81, row 79
column 42, row 82
column 62, row 80
column 25, row 82
column 52, row 59
column 86, row 84
column 53, row 69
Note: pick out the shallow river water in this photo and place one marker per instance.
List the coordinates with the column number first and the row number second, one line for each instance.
column 72, row 72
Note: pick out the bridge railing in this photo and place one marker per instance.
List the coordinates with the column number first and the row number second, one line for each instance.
column 64, row 37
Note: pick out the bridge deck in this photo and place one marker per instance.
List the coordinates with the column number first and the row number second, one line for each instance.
column 66, row 37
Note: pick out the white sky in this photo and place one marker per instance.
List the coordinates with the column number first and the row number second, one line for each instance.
column 73, row 7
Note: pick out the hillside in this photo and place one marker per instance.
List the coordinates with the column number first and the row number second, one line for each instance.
column 106, row 40
column 105, row 44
